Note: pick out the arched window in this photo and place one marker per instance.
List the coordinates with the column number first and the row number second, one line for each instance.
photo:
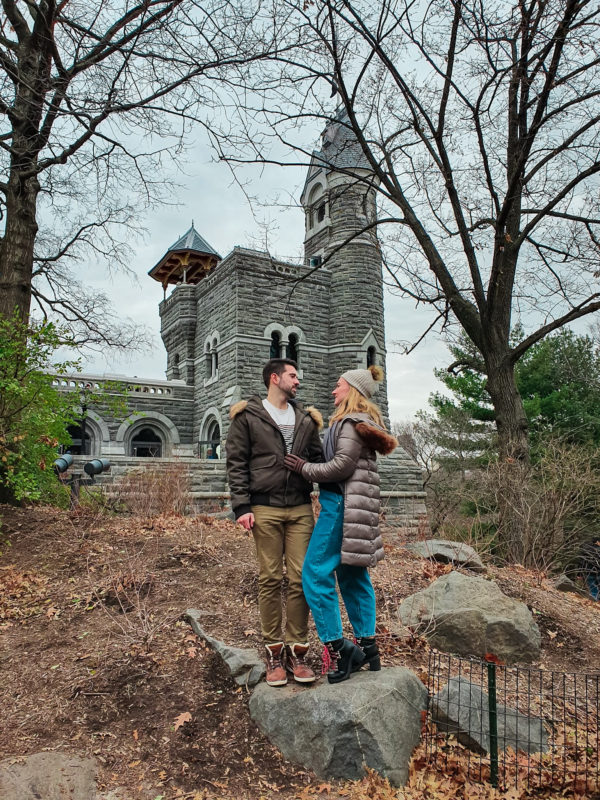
column 215, row 359
column 207, row 361
column 146, row 444
column 214, row 440
column 76, row 448
column 371, row 356
column 291, row 351
column 316, row 206
column 275, row 351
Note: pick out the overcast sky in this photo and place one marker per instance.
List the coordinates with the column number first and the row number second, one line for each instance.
column 223, row 216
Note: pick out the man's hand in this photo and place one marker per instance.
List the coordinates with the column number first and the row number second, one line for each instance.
column 294, row 463
column 246, row 521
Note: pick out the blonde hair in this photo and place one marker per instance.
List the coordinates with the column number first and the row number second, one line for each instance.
column 355, row 402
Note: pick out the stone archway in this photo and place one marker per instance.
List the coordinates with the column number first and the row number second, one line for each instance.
column 96, row 436
column 209, row 441
column 161, row 435
column 146, row 443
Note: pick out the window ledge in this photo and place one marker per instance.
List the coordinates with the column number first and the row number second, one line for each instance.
column 317, row 228
column 213, row 379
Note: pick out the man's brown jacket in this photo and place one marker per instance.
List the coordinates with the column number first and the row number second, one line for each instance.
column 255, row 449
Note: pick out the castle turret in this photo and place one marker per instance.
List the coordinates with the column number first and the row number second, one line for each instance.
column 184, row 264
column 340, row 209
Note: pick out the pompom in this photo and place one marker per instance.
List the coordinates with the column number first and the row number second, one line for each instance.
column 376, row 371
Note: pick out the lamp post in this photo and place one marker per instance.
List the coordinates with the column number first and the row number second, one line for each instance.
column 83, row 401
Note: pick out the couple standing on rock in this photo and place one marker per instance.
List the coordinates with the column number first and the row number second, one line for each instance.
column 274, row 454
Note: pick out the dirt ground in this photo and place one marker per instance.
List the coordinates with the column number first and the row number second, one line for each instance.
column 95, row 658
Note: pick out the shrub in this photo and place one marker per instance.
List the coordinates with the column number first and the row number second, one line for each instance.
column 153, row 490
column 33, row 416
column 554, row 506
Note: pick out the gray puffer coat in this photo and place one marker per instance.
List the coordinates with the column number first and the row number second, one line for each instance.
column 354, row 468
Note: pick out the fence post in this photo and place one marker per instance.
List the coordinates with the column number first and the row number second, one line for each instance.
column 493, row 720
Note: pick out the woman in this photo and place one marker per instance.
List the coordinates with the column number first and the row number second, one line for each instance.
column 346, row 539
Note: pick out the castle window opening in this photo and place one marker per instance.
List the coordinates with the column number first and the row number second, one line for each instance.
column 214, row 441
column 146, row 444
column 214, row 359
column 275, row 351
column 208, row 362
column 76, row 448
column 371, row 356
column 176, row 365
column 291, row 350
column 316, row 206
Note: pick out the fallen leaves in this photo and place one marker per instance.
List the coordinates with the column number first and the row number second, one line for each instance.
column 182, row 719
column 22, row 594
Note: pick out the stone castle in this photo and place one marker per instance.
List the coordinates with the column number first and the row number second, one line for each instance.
column 226, row 316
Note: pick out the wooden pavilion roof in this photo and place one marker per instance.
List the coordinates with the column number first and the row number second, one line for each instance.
column 188, row 260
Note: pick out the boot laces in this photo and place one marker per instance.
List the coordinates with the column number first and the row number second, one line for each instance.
column 274, row 660
column 329, row 659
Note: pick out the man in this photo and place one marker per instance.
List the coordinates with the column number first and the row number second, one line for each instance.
column 274, row 504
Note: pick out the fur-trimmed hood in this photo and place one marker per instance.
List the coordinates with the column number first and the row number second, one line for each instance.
column 313, row 412
column 236, row 408
column 376, row 438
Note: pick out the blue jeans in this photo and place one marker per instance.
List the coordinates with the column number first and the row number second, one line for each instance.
column 322, row 564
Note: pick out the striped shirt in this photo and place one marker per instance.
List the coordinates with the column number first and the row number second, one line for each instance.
column 285, row 419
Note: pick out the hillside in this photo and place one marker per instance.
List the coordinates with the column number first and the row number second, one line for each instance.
column 95, row 658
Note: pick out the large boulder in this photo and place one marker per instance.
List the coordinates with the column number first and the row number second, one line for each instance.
column 470, row 616
column 372, row 720
column 245, row 665
column 448, row 552
column 51, row 776
column 462, row 708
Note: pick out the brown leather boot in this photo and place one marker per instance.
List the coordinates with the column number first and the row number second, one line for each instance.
column 276, row 674
column 296, row 665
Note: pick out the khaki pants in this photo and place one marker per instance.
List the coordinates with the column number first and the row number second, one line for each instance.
column 282, row 533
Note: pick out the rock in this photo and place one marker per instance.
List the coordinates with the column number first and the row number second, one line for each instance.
column 246, row 666
column 373, row 720
column 564, row 584
column 461, row 708
column 470, row 616
column 48, row 776
column 448, row 553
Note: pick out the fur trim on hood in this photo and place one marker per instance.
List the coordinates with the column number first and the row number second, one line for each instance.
column 237, row 407
column 376, row 438
column 313, row 412
column 315, row 415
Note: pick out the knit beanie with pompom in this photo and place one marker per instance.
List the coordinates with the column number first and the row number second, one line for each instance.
column 364, row 380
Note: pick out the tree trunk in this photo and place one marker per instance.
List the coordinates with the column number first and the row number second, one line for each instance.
column 513, row 447
column 16, row 249
column 511, row 422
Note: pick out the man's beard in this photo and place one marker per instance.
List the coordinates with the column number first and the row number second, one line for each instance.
column 290, row 393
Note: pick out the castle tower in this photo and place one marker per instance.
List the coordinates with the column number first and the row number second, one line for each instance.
column 339, row 203
column 184, row 264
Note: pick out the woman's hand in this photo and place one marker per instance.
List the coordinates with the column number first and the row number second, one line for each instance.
column 294, row 463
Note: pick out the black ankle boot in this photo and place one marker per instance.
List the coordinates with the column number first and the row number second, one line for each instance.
column 346, row 657
column 369, row 647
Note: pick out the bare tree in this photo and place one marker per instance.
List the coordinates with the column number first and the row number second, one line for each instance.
column 95, row 96
column 480, row 123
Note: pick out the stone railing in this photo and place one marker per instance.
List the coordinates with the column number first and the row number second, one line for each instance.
column 96, row 383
